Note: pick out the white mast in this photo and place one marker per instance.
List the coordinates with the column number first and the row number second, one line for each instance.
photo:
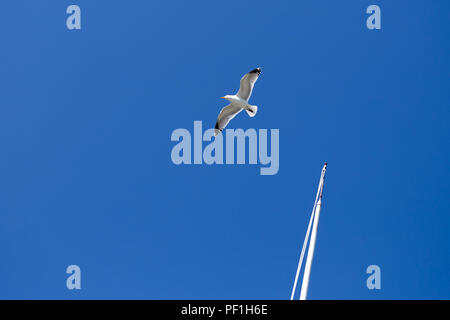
column 315, row 223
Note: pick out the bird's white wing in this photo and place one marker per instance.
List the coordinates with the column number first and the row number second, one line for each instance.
column 225, row 116
column 247, row 83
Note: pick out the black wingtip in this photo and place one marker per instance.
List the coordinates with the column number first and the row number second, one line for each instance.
column 217, row 127
column 257, row 70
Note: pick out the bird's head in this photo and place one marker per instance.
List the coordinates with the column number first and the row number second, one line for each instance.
column 227, row 97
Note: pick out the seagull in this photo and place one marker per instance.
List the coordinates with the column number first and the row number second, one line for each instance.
column 238, row 102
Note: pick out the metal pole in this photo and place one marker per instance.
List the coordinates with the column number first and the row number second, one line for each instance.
column 305, row 242
column 312, row 243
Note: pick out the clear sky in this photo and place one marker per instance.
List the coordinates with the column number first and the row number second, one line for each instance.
column 86, row 176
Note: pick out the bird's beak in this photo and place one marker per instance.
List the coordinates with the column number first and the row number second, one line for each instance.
column 222, row 97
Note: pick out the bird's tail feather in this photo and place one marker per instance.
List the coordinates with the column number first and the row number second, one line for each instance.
column 251, row 110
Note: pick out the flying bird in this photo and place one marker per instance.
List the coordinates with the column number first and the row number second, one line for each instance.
column 238, row 102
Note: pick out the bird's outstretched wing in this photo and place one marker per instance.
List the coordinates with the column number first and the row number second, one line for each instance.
column 225, row 116
column 247, row 83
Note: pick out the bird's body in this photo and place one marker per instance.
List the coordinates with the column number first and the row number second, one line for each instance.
column 239, row 101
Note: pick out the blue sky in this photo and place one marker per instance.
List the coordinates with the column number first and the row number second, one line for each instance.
column 87, row 178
